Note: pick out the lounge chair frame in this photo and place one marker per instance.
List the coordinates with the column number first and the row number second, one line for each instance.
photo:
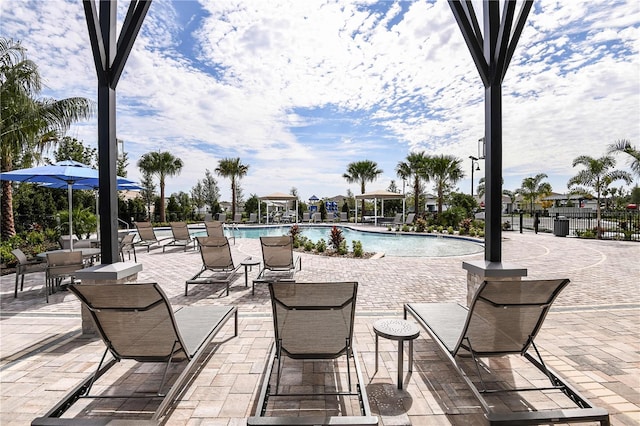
column 216, row 259
column 306, row 294
column 147, row 235
column 451, row 325
column 187, row 345
column 26, row 266
column 277, row 266
column 181, row 236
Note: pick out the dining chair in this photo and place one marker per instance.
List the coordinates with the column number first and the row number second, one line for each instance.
column 61, row 265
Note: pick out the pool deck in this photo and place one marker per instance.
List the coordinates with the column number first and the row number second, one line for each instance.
column 591, row 337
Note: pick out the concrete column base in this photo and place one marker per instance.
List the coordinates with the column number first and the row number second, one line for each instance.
column 482, row 270
column 116, row 273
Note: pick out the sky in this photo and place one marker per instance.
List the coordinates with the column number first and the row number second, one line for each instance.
column 299, row 89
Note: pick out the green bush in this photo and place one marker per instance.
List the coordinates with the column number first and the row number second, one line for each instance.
column 406, row 228
column 440, row 229
column 321, row 246
column 357, row 249
column 309, row 245
column 342, row 249
column 450, row 230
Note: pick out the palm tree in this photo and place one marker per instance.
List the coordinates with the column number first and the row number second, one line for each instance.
column 597, row 176
column 624, row 145
column 362, row 172
column 445, row 171
column 28, row 125
column 233, row 169
column 533, row 188
column 161, row 164
column 414, row 167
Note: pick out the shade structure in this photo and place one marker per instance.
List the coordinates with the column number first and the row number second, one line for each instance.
column 278, row 196
column 69, row 173
column 377, row 195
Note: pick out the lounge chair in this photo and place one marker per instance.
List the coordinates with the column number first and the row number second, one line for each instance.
column 222, row 217
column 503, row 319
column 316, row 218
column 146, row 235
column 65, row 242
column 214, row 229
column 410, row 218
column 61, row 265
column 136, row 322
column 237, row 218
column 398, row 220
column 127, row 245
column 216, row 260
column 181, row 236
column 25, row 266
column 278, row 261
column 253, row 218
column 344, row 217
column 313, row 321
column 306, row 217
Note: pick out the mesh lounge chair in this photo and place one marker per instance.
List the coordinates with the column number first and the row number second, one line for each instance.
column 146, row 234
column 222, row 217
column 313, row 321
column 127, row 245
column 136, row 322
column 217, row 261
column 237, row 218
column 410, row 218
column 316, row 218
column 25, row 266
column 181, row 236
column 216, row 229
column 253, row 218
column 278, row 261
column 306, row 217
column 61, row 265
column 504, row 318
column 344, row 217
column 398, row 219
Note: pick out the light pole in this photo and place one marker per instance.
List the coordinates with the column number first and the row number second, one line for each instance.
column 475, row 165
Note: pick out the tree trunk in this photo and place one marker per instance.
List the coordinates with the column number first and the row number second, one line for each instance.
column 162, row 215
column 8, row 226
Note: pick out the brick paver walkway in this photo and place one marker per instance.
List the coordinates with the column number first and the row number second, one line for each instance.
column 591, row 336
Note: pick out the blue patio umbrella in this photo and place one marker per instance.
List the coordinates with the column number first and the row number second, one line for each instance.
column 68, row 173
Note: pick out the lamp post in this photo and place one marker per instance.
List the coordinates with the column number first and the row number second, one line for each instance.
column 475, row 165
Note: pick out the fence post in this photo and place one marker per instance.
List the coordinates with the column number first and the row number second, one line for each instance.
column 521, row 220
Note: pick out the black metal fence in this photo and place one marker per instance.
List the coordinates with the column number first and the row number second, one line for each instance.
column 614, row 225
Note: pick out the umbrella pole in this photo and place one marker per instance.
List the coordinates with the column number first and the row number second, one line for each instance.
column 69, row 189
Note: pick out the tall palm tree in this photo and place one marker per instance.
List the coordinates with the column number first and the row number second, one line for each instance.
column 362, row 172
column 161, row 164
column 28, row 125
column 414, row 167
column 597, row 175
column 624, row 145
column 533, row 188
column 233, row 169
column 445, row 171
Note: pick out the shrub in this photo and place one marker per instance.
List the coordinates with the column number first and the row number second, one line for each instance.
column 295, row 234
column 357, row 249
column 421, row 224
column 321, row 246
column 336, row 238
column 465, row 226
column 440, row 229
column 342, row 249
column 406, row 228
column 472, row 232
column 506, row 225
column 309, row 245
column 450, row 230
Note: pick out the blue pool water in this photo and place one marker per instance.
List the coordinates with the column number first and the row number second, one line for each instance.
column 401, row 245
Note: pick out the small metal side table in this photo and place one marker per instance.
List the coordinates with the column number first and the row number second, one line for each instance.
column 247, row 263
column 399, row 330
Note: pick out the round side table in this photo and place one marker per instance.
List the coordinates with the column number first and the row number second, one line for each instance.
column 249, row 262
column 399, row 330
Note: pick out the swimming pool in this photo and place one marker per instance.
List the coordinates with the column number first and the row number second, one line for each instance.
column 391, row 244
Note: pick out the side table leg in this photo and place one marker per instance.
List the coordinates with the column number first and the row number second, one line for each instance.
column 410, row 355
column 376, row 370
column 400, row 362
column 246, row 276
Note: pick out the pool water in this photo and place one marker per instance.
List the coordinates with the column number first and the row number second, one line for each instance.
column 391, row 244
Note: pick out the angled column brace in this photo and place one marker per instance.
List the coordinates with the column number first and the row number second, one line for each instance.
column 492, row 54
column 110, row 58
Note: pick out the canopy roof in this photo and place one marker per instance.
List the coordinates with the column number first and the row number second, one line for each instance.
column 279, row 196
column 379, row 194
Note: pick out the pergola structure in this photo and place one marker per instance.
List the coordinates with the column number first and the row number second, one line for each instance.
column 277, row 196
column 375, row 196
column 491, row 47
